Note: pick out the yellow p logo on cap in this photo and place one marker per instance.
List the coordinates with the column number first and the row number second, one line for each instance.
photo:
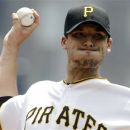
column 88, row 10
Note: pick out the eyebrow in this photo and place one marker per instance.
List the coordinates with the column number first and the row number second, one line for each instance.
column 96, row 27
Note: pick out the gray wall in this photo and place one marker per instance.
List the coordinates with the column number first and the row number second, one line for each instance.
column 42, row 58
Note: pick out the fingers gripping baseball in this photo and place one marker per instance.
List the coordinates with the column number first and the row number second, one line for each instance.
column 15, row 18
column 23, row 26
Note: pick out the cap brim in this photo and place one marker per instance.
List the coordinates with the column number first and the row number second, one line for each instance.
column 90, row 21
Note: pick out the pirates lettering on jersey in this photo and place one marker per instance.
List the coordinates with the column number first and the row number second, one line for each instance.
column 42, row 115
column 34, row 113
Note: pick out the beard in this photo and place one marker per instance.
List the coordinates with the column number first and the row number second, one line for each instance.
column 87, row 63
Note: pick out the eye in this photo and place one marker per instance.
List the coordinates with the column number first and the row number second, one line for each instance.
column 78, row 35
column 99, row 37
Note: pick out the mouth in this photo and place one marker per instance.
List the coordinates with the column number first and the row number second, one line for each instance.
column 88, row 49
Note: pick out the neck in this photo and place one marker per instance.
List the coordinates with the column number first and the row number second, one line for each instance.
column 75, row 75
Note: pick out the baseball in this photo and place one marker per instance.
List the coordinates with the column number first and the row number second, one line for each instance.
column 26, row 16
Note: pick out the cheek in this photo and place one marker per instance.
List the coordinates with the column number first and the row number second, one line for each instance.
column 71, row 52
column 71, row 48
column 103, row 51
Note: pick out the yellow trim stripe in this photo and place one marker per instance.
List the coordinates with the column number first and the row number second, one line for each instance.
column 79, row 81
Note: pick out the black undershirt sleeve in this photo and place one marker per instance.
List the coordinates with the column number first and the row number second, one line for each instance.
column 4, row 99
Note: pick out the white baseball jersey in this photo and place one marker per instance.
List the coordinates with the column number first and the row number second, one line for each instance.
column 94, row 104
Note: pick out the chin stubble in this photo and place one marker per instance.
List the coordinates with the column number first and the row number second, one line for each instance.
column 87, row 63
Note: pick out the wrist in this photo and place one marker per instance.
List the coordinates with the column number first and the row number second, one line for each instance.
column 11, row 41
column 9, row 45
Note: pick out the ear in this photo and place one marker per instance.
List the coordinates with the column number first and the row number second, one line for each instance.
column 64, row 42
column 109, row 45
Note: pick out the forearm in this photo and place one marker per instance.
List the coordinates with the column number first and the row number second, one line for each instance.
column 8, row 59
column 8, row 70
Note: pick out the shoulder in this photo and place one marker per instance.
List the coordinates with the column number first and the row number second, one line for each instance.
column 11, row 108
column 113, row 86
column 115, row 89
column 118, row 86
column 13, row 103
column 108, row 86
column 43, row 87
column 42, row 84
column 44, row 90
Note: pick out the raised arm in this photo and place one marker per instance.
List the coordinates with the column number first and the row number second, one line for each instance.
column 8, row 58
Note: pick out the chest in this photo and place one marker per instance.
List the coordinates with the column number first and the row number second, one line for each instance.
column 78, row 109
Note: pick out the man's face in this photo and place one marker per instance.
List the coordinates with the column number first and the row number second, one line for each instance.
column 87, row 45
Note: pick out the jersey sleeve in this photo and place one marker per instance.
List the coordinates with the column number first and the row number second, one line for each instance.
column 10, row 113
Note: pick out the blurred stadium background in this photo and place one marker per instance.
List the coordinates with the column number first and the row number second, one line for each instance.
column 42, row 58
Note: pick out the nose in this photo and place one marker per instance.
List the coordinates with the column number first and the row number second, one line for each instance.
column 88, row 43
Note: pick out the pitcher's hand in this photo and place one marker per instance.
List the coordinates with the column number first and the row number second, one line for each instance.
column 18, row 33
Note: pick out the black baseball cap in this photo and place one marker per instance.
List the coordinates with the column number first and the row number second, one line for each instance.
column 87, row 13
